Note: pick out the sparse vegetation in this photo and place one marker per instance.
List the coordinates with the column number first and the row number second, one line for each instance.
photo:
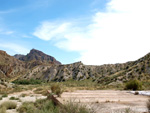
column 133, row 85
column 56, row 89
column 41, row 90
column 23, row 95
column 27, row 82
column 148, row 106
column 47, row 106
column 1, row 98
column 13, row 98
column 5, row 95
column 8, row 105
column 27, row 107
column 72, row 107
column 2, row 110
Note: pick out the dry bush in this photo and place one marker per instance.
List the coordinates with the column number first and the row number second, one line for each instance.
column 9, row 105
column 56, row 89
column 41, row 90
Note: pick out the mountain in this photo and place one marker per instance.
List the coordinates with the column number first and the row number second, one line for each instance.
column 17, row 56
column 104, row 74
column 9, row 66
column 36, row 55
column 38, row 65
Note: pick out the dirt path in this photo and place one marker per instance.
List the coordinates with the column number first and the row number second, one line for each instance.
column 108, row 101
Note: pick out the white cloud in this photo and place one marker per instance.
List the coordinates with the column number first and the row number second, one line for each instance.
column 119, row 34
column 48, row 30
column 14, row 48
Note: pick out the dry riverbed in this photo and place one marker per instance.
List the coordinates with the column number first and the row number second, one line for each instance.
column 102, row 101
column 108, row 101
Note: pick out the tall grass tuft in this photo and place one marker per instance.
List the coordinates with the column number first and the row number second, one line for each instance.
column 72, row 107
column 56, row 89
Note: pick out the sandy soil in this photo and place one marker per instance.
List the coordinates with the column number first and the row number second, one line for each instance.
column 102, row 101
column 108, row 101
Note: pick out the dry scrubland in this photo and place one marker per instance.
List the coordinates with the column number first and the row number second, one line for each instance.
column 75, row 96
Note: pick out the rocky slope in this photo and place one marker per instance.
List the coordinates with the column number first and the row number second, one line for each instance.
column 17, row 56
column 104, row 74
column 9, row 66
column 36, row 55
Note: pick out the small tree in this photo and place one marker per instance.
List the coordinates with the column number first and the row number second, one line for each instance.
column 133, row 85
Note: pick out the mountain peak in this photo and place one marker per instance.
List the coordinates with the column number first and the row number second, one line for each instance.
column 36, row 55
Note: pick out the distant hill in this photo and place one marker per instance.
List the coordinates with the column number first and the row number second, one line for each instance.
column 36, row 55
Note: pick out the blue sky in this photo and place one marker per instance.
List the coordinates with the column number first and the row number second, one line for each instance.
column 92, row 31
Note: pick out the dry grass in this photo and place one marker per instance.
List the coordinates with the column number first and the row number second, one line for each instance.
column 2, row 110
column 8, row 105
column 47, row 106
column 56, row 89
column 148, row 105
column 41, row 90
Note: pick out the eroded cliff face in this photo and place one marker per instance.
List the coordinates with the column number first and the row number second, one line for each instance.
column 9, row 66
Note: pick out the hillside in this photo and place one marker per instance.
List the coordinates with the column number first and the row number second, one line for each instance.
column 9, row 66
column 104, row 74
column 38, row 65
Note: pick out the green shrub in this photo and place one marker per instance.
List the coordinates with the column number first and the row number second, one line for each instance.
column 27, row 82
column 9, row 105
column 56, row 89
column 13, row 98
column 1, row 98
column 5, row 95
column 133, row 85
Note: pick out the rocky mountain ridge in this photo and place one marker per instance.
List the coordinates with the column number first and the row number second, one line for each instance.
column 36, row 55
column 104, row 74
